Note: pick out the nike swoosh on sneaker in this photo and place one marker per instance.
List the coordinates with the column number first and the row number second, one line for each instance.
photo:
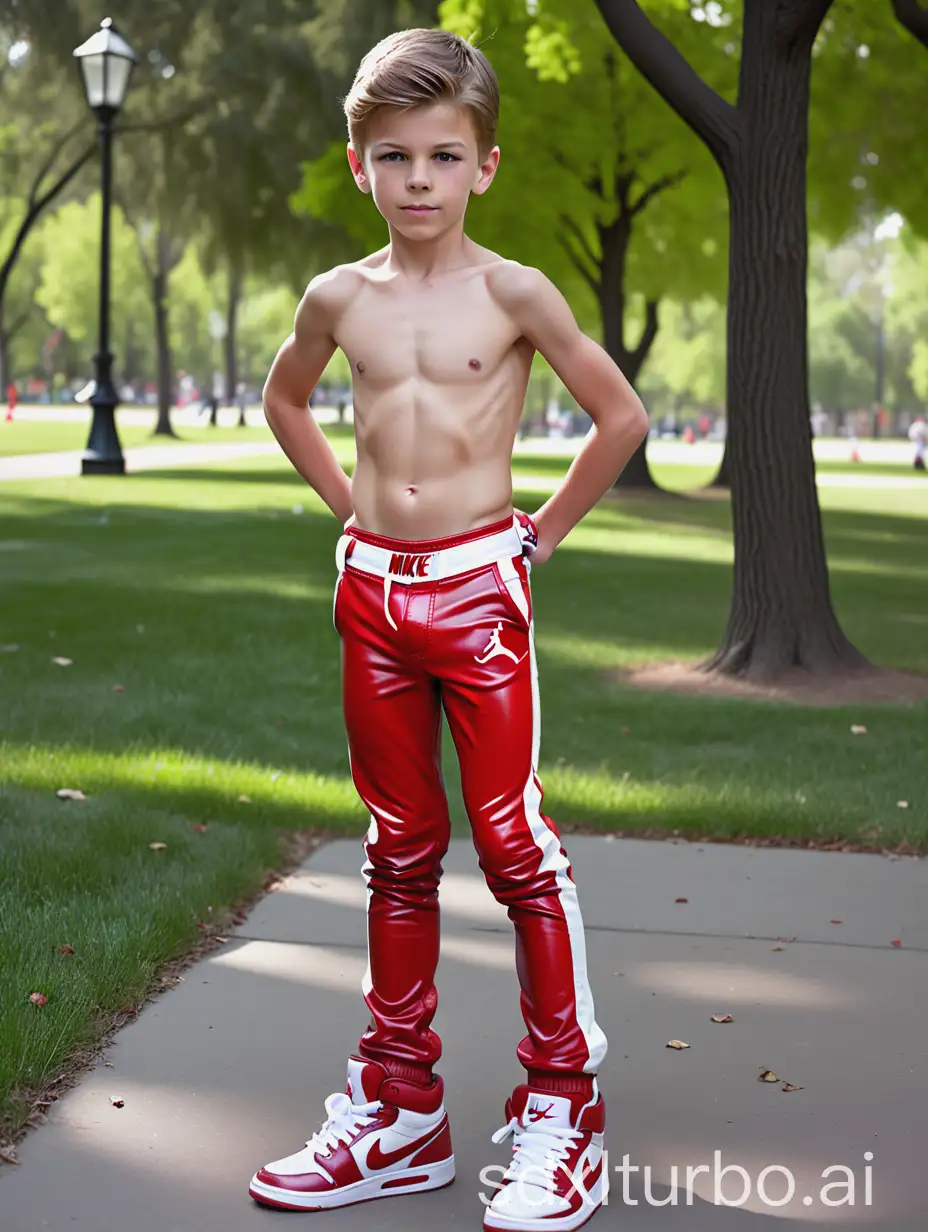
column 377, row 1159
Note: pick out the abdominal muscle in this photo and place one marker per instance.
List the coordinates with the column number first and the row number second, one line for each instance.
column 429, row 465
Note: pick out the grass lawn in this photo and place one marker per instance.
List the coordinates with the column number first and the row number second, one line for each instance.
column 24, row 436
column 207, row 600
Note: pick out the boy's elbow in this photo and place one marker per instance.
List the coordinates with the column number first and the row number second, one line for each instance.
column 640, row 423
column 631, row 421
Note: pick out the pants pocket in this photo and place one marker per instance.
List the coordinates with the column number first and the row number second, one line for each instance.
column 516, row 592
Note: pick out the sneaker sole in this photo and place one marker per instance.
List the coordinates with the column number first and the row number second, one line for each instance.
column 391, row 1185
column 493, row 1222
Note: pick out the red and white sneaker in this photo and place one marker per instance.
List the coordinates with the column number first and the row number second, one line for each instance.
column 557, row 1179
column 382, row 1137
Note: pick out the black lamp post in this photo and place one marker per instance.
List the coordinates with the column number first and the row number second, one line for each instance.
column 106, row 60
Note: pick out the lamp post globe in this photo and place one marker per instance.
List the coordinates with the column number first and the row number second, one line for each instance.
column 106, row 61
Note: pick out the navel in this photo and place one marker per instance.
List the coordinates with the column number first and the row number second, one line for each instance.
column 475, row 364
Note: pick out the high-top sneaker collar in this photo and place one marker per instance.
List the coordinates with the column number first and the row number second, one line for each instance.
column 532, row 1107
column 365, row 1078
column 369, row 1081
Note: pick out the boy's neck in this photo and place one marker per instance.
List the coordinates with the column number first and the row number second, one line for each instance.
column 419, row 260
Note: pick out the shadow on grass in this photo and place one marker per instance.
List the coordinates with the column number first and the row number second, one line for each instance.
column 218, row 626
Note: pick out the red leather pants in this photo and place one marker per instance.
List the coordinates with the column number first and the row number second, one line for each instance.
column 412, row 643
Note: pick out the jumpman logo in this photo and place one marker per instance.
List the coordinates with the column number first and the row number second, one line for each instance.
column 495, row 647
column 540, row 1114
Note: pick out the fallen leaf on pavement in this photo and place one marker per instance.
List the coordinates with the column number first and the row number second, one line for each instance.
column 835, row 921
column 896, row 942
column 678, row 1044
column 117, row 1101
column 8, row 1154
column 66, row 949
column 857, row 729
column 70, row 793
column 39, row 998
column 778, row 948
column 62, row 662
column 767, row 1075
column 788, row 1086
column 786, row 940
column 681, row 900
column 157, row 846
column 721, row 1018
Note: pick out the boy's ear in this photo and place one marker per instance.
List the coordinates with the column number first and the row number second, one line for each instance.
column 487, row 172
column 357, row 170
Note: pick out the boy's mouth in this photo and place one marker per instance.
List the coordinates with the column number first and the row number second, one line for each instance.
column 419, row 209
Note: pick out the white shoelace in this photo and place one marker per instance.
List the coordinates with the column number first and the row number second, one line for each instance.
column 343, row 1121
column 538, row 1151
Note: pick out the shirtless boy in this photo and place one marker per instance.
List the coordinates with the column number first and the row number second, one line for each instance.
column 433, row 607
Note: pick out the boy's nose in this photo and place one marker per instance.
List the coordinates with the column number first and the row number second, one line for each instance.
column 418, row 176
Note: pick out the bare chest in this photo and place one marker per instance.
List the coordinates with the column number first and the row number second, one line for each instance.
column 439, row 335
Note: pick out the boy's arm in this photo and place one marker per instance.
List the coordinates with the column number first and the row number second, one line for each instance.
column 620, row 421
column 293, row 376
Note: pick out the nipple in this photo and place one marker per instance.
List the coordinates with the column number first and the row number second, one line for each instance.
column 360, row 365
column 475, row 364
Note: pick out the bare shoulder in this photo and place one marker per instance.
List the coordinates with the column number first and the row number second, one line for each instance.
column 330, row 293
column 514, row 285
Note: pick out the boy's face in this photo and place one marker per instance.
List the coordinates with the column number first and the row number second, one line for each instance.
column 424, row 157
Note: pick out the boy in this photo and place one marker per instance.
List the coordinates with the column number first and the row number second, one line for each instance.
column 433, row 607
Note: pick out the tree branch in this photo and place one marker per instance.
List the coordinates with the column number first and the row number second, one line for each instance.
column 35, row 209
column 590, row 279
column 17, row 325
column 712, row 119
column 648, row 334
column 149, row 269
column 47, row 165
column 585, row 246
column 659, row 186
column 176, row 120
column 61, row 184
column 803, row 22
column 909, row 13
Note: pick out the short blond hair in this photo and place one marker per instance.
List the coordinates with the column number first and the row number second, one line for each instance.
column 416, row 68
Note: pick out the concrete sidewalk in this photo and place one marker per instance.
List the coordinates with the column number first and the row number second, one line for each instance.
column 231, row 1069
column 143, row 458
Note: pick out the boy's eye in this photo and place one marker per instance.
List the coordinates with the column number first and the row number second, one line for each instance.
column 394, row 155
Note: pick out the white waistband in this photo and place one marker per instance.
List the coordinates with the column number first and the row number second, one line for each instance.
column 411, row 567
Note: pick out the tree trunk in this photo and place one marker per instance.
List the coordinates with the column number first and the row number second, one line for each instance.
column 781, row 615
column 723, row 477
column 165, row 390
column 235, row 298
column 614, row 241
column 5, row 375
